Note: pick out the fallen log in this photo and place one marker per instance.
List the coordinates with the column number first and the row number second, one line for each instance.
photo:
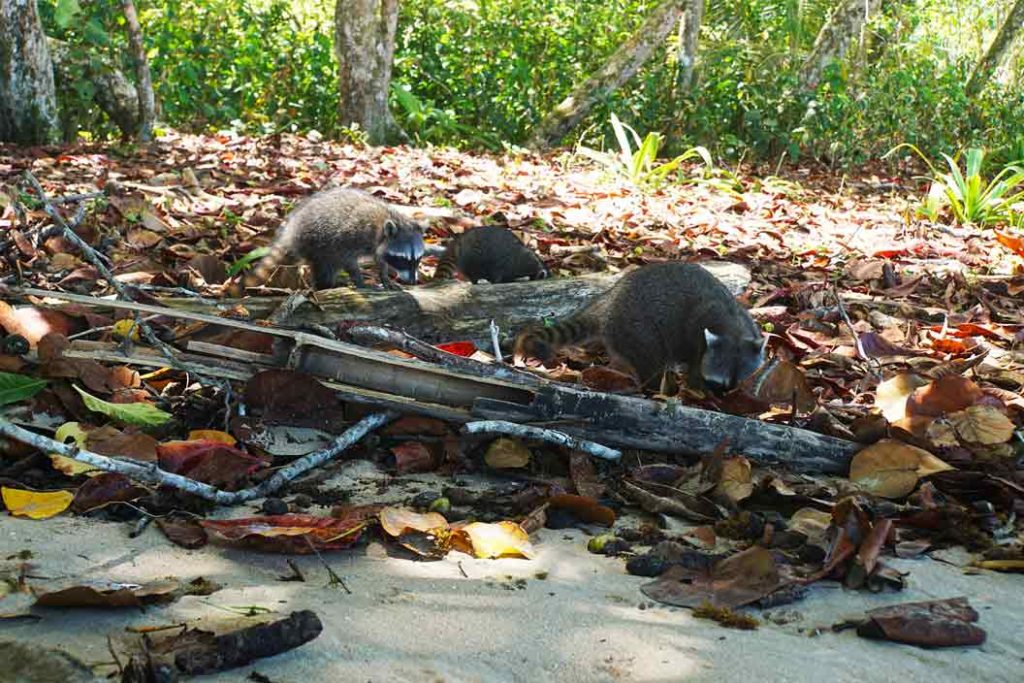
column 453, row 310
column 495, row 393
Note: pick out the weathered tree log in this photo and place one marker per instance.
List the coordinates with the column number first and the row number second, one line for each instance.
column 452, row 311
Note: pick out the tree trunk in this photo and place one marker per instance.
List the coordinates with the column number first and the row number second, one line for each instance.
column 28, row 97
column 997, row 51
column 689, row 33
column 619, row 68
column 364, row 42
column 147, row 100
column 113, row 92
column 835, row 36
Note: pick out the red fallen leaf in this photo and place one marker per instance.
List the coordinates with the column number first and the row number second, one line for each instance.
column 459, row 348
column 299, row 534
column 1014, row 244
column 358, row 513
column 107, row 440
column 416, row 425
column 104, row 489
column 601, row 378
column 184, row 532
column 933, row 623
column 975, row 330
column 944, row 345
column 413, row 456
column 293, row 398
column 945, row 395
column 212, row 462
column 583, row 508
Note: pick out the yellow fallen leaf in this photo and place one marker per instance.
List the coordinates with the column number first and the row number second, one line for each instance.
column 507, row 453
column 735, row 483
column 396, row 521
column 36, row 504
column 122, row 328
column 891, row 469
column 211, row 435
column 982, row 424
column 70, row 466
column 502, row 539
column 891, row 395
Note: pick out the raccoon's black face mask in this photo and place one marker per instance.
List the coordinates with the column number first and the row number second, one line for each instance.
column 403, row 254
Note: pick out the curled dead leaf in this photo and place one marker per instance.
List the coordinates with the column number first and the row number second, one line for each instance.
column 735, row 482
column 982, row 424
column 945, row 395
column 891, row 469
column 892, row 394
column 501, row 539
column 396, row 521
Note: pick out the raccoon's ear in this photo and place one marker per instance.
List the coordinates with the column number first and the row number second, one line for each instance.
column 390, row 228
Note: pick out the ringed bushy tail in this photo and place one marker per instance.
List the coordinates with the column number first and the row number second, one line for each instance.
column 448, row 264
column 261, row 272
column 540, row 342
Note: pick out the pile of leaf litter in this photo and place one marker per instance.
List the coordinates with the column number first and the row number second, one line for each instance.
column 900, row 336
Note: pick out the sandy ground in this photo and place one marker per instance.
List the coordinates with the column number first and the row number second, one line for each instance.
column 564, row 616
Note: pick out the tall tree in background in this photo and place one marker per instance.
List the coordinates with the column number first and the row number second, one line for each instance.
column 997, row 51
column 28, row 98
column 619, row 68
column 364, row 42
column 689, row 33
column 144, row 82
column 842, row 27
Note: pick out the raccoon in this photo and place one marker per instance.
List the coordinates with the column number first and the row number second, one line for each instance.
column 332, row 229
column 659, row 316
column 489, row 253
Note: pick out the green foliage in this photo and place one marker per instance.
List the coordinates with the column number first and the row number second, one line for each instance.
column 480, row 73
column 636, row 158
column 142, row 414
column 244, row 262
column 14, row 387
column 971, row 198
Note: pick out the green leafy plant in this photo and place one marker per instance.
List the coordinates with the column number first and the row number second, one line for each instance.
column 971, row 198
column 142, row 414
column 637, row 159
column 14, row 387
column 242, row 263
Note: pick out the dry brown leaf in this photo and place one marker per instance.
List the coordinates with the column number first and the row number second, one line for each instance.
column 982, row 424
column 735, row 482
column 892, row 394
column 943, row 396
column 891, row 469
column 506, row 454
column 395, row 521
column 813, row 524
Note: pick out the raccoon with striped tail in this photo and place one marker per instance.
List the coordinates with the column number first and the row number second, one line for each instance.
column 491, row 253
column 660, row 316
column 332, row 230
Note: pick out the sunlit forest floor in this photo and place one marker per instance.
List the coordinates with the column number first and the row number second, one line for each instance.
column 921, row 296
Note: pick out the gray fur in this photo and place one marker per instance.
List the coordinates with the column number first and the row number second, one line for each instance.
column 490, row 253
column 663, row 315
column 333, row 229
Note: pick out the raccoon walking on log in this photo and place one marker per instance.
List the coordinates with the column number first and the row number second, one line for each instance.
column 659, row 316
column 489, row 253
column 332, row 229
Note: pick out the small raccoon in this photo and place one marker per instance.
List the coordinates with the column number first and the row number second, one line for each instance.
column 489, row 253
column 332, row 229
column 659, row 316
